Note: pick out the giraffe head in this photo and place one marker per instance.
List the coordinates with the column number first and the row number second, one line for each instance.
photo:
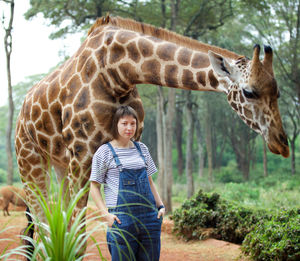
column 252, row 92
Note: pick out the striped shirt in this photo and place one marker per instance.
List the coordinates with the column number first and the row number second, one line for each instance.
column 104, row 169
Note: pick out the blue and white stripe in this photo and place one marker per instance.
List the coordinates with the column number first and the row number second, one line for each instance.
column 105, row 171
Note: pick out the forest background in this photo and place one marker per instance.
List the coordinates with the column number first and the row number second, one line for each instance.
column 195, row 138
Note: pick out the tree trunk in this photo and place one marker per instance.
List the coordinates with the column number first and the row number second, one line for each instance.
column 189, row 146
column 160, row 143
column 178, row 133
column 168, row 141
column 209, row 144
column 200, row 149
column 8, row 50
column 293, row 157
column 265, row 159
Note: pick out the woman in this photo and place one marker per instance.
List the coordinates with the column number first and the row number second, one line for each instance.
column 133, row 208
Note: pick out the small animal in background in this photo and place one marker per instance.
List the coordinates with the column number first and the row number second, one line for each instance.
column 13, row 195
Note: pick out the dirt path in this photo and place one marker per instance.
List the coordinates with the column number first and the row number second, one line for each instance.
column 172, row 248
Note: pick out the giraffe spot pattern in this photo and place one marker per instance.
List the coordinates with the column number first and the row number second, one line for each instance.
column 47, row 124
column 212, row 79
column 58, row 146
column 201, row 78
column 82, row 100
column 133, row 52
column 188, row 79
column 71, row 90
column 129, row 73
column 53, row 90
column 200, row 61
column 184, row 56
column 101, row 56
column 36, row 112
column 86, row 54
column 87, row 122
column 124, row 37
column 95, row 41
column 145, row 47
column 109, row 36
column 115, row 77
column 67, row 114
column 103, row 114
column 151, row 71
column 65, row 76
column 166, row 52
column 68, row 136
column 55, row 111
column 88, row 70
column 101, row 89
column 171, row 75
column 117, row 53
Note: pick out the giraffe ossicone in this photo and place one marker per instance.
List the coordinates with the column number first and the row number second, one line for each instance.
column 67, row 115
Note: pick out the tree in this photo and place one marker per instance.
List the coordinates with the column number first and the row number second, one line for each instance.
column 8, row 50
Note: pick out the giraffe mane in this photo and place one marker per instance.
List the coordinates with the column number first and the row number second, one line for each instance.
column 160, row 33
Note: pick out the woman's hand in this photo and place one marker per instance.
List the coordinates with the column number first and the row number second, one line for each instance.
column 161, row 213
column 110, row 219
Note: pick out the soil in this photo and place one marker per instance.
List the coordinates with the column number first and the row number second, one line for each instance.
column 172, row 248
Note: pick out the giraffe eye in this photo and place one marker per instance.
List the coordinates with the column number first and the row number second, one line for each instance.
column 250, row 94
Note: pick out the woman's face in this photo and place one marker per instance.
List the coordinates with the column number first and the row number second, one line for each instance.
column 127, row 127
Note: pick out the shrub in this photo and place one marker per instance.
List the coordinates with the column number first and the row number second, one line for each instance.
column 276, row 239
column 204, row 211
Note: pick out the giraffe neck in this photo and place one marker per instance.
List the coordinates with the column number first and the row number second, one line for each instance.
column 127, row 58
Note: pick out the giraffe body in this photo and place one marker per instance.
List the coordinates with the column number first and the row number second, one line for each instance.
column 67, row 115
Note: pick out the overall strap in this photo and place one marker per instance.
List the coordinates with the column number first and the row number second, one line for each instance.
column 138, row 147
column 116, row 158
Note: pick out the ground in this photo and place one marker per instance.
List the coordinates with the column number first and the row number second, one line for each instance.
column 172, row 248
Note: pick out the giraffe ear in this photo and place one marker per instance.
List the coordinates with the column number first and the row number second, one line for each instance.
column 220, row 64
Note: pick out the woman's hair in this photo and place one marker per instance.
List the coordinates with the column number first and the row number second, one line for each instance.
column 121, row 112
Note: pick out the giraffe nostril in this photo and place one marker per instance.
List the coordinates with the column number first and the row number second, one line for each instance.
column 283, row 139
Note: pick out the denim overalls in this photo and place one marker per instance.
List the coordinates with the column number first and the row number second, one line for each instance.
column 138, row 236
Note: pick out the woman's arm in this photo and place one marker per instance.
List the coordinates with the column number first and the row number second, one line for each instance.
column 157, row 198
column 97, row 197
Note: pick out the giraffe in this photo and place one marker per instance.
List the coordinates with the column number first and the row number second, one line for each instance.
column 67, row 115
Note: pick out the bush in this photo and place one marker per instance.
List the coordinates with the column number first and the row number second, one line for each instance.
column 277, row 239
column 209, row 211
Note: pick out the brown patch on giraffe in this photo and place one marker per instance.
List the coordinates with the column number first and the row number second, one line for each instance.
column 68, row 136
column 82, row 100
column 109, row 37
column 67, row 95
column 248, row 113
column 34, row 159
column 77, row 127
column 47, row 124
column 201, row 78
column 80, row 150
column 200, row 61
column 55, row 110
column 58, row 146
column 67, row 73
column 101, row 89
column 25, row 152
column 95, row 42
column 94, row 146
column 81, row 48
column 36, row 173
column 212, row 79
column 115, row 77
column 117, row 52
column 67, row 114
column 82, row 59
column 129, row 73
column 27, row 109
column 87, row 122
column 36, row 112
column 188, row 79
column 145, row 47
column 31, row 131
column 40, row 95
column 101, row 56
column 88, row 70
column 184, row 56
column 166, row 52
column 52, row 76
column 23, row 163
column 171, row 74
column 138, row 107
column 234, row 106
column 53, row 90
column 103, row 114
column 43, row 141
column 124, row 37
column 133, row 52
column 151, row 71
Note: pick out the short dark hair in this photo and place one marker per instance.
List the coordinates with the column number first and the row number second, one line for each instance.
column 121, row 112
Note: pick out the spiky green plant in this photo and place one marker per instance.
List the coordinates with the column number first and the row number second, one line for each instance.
column 57, row 239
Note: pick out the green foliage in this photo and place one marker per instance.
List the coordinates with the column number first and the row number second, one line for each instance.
column 276, row 239
column 3, row 175
column 229, row 222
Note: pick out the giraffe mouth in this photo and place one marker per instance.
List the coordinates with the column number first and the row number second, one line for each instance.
column 281, row 149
